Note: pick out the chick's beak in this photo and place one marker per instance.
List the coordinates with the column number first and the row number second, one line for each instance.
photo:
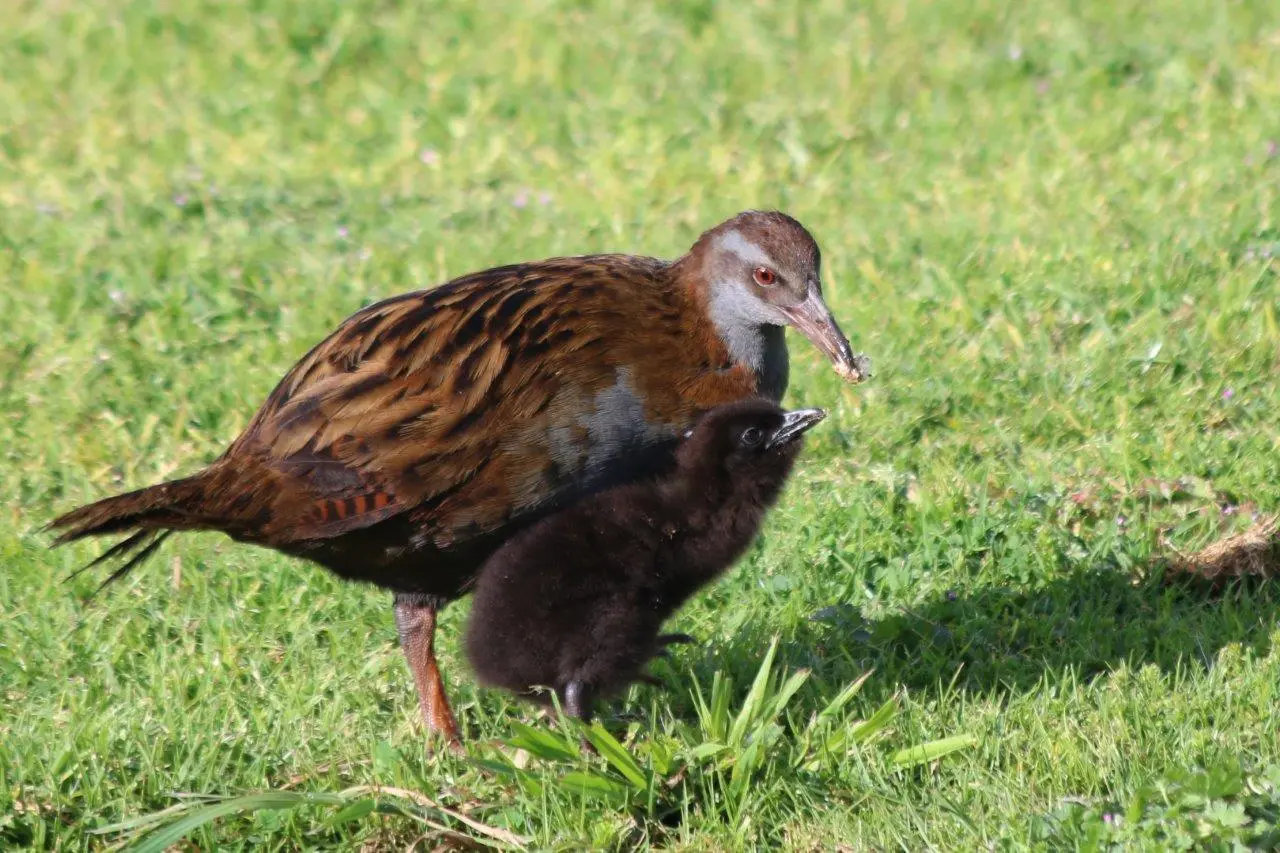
column 794, row 425
column 814, row 320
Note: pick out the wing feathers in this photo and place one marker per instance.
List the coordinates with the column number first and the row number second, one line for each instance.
column 441, row 402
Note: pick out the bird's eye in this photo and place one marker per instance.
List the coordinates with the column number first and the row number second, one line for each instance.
column 751, row 436
column 764, row 276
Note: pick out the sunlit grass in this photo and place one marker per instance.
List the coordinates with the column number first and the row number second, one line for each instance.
column 1053, row 226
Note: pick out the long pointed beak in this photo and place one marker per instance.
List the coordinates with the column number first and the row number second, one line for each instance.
column 814, row 320
column 794, row 425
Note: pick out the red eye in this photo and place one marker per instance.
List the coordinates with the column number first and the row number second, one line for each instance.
column 764, row 276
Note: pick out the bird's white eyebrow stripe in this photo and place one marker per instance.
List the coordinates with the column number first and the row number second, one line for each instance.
column 733, row 241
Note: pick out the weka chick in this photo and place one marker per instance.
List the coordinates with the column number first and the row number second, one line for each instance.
column 428, row 428
column 576, row 601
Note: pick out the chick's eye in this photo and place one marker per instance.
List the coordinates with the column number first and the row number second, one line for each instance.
column 751, row 436
column 764, row 276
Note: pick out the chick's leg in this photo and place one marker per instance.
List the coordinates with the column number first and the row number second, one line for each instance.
column 577, row 700
column 665, row 640
column 661, row 643
column 416, row 624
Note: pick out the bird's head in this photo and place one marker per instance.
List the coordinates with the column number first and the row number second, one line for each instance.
column 754, row 439
column 762, row 268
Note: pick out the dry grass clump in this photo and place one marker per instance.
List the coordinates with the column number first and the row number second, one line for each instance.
column 1252, row 553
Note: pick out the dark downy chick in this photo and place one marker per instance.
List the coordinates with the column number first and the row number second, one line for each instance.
column 576, row 602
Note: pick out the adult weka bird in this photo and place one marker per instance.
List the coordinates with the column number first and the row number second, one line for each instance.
column 576, row 601
column 428, row 428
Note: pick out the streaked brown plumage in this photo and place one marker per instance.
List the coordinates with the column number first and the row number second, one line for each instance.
column 415, row 439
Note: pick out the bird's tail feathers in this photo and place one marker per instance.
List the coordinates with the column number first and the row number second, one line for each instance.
column 149, row 515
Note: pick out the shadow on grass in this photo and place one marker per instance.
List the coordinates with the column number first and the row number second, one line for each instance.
column 998, row 640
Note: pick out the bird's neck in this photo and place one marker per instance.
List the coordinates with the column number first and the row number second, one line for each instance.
column 719, row 519
column 760, row 347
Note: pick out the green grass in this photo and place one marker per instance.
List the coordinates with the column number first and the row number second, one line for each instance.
column 1053, row 226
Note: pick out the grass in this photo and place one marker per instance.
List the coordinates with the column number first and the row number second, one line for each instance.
column 1053, row 225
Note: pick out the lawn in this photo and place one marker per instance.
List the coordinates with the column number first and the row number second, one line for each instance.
column 1054, row 226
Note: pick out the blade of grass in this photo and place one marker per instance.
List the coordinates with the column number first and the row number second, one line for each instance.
column 426, row 802
column 542, row 743
column 751, row 706
column 617, row 756
column 594, row 785
column 869, row 727
column 931, row 751
column 783, row 697
column 844, row 697
column 161, row 839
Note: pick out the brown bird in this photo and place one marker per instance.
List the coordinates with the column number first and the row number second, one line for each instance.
column 428, row 428
column 576, row 601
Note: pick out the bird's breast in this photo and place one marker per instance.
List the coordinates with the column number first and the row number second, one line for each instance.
column 594, row 438
column 612, row 422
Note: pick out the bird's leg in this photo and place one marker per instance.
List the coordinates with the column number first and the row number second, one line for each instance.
column 663, row 640
column 577, row 703
column 670, row 639
column 577, row 700
column 416, row 624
